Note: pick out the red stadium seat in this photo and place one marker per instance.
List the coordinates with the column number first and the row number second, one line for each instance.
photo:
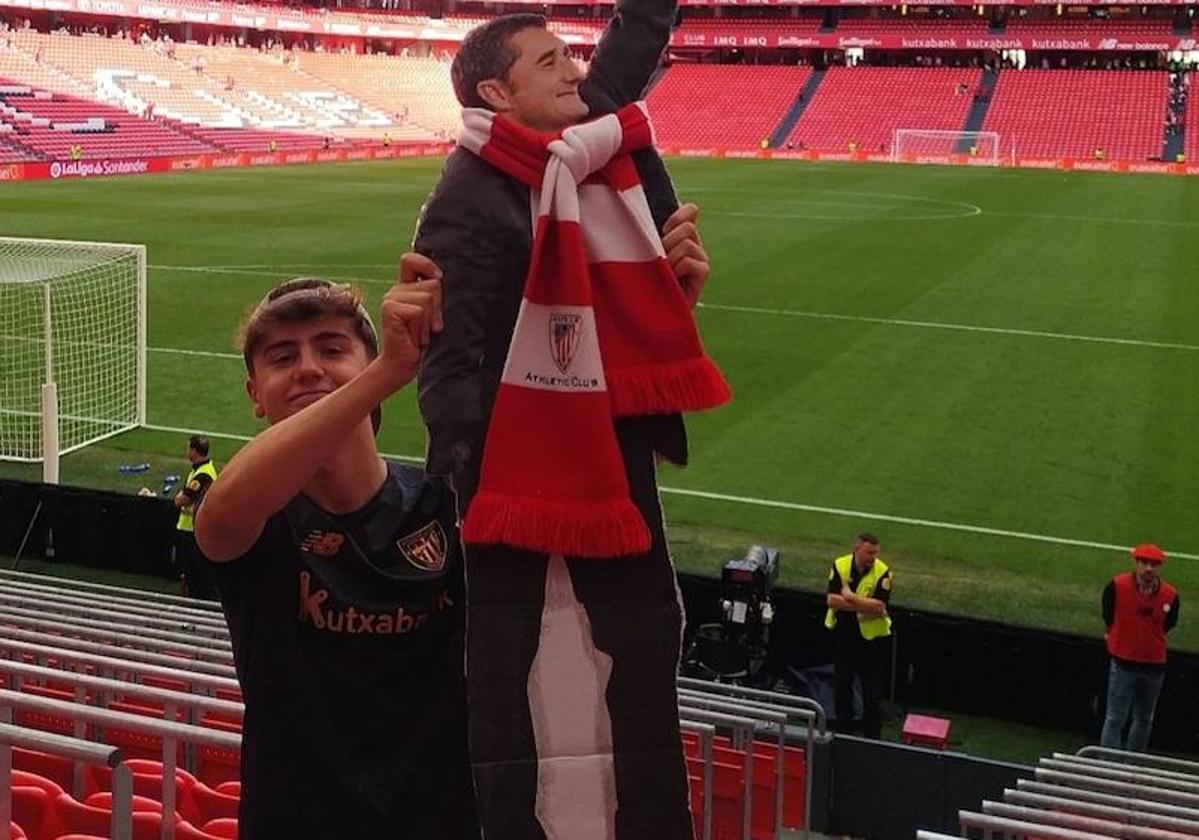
column 141, row 804
column 722, row 106
column 230, row 788
column 216, row 765
column 1070, row 113
column 33, row 810
column 24, row 778
column 212, row 804
column 87, row 819
column 186, row 831
column 49, row 767
column 224, row 828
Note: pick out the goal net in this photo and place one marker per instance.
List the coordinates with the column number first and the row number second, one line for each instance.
column 72, row 317
column 908, row 143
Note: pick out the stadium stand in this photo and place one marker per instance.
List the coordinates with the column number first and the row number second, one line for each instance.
column 231, row 99
column 51, row 123
column 148, row 674
column 774, row 26
column 1035, row 27
column 864, row 106
column 913, row 27
column 1052, row 113
column 709, row 104
column 416, row 92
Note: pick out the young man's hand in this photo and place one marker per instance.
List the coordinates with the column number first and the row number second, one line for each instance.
column 685, row 251
column 410, row 315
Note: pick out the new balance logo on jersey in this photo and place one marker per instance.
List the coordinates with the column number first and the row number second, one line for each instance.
column 425, row 548
column 322, row 543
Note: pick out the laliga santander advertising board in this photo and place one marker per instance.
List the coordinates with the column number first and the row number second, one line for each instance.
column 105, row 167
column 82, row 169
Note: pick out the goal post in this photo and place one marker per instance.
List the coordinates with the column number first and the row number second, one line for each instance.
column 72, row 345
column 907, row 143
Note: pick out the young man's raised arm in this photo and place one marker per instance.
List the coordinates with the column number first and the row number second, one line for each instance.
column 630, row 49
column 276, row 465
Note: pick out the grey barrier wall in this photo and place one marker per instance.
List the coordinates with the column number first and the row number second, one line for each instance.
column 887, row 791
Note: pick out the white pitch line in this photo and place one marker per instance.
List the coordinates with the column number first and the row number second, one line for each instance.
column 905, row 520
column 1108, row 220
column 154, row 427
column 785, row 505
column 942, row 325
column 203, row 269
column 178, row 351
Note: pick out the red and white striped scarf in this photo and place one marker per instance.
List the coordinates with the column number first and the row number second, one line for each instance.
column 603, row 331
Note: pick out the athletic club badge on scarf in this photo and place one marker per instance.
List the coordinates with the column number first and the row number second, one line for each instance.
column 603, row 331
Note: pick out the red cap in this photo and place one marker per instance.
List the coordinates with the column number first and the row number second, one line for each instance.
column 1150, row 553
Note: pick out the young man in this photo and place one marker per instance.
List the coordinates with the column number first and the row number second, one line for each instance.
column 859, row 589
column 196, row 580
column 1139, row 609
column 615, row 768
column 340, row 576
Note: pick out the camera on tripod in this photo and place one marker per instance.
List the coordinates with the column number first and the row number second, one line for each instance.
column 734, row 649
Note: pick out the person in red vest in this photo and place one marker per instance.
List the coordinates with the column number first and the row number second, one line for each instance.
column 1139, row 609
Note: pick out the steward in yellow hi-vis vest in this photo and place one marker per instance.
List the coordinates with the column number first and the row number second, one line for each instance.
column 859, row 588
column 192, row 571
column 198, row 480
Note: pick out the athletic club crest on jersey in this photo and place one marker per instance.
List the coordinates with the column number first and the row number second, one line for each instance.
column 565, row 331
column 425, row 548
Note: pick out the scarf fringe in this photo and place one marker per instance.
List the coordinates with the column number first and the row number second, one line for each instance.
column 691, row 384
column 589, row 528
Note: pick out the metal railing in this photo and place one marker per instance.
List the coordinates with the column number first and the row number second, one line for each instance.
column 1079, row 822
column 107, row 590
column 216, row 649
column 1140, row 759
column 203, row 612
column 772, row 697
column 773, row 717
column 707, row 734
column 11, row 636
column 1118, row 800
column 742, row 729
column 78, row 751
column 79, row 608
column 1012, row 828
column 172, row 734
column 1088, row 782
column 1115, row 810
column 1121, row 773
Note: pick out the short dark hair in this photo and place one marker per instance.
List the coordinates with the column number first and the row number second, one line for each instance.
column 299, row 301
column 487, row 53
column 199, row 443
column 868, row 537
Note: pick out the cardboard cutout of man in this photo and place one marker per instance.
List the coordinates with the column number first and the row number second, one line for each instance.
column 571, row 660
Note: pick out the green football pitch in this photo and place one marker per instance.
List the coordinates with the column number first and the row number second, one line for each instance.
column 995, row 370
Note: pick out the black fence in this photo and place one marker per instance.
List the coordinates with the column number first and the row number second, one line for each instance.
column 88, row 527
column 1019, row 674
